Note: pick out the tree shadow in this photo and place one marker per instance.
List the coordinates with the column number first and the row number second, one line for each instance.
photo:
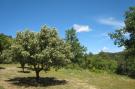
column 31, row 81
column 132, row 76
column 24, row 71
column 2, row 68
column 24, row 67
column 127, row 75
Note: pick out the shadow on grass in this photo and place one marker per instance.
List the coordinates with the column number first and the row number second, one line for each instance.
column 31, row 81
column 131, row 76
column 24, row 71
column 24, row 67
column 2, row 68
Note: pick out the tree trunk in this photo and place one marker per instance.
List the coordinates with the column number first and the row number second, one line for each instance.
column 37, row 75
column 22, row 65
column 23, row 69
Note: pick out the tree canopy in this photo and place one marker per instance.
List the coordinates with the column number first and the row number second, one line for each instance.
column 76, row 48
column 5, row 43
column 126, row 37
column 41, row 50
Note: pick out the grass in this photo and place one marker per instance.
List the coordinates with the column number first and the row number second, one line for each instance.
column 1, row 87
column 62, row 79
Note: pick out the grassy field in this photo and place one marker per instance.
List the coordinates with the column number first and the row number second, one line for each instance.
column 12, row 78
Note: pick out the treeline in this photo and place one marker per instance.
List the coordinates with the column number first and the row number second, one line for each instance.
column 44, row 50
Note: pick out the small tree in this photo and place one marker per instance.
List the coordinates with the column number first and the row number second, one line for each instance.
column 20, row 55
column 6, row 56
column 43, row 50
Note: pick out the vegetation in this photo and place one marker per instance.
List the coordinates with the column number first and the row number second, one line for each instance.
column 5, row 43
column 41, row 50
column 46, row 51
column 76, row 48
column 101, row 61
column 126, row 37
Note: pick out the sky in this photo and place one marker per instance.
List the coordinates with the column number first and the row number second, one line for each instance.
column 92, row 19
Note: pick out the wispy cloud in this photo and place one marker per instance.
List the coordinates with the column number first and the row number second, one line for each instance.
column 105, row 49
column 105, row 35
column 111, row 21
column 82, row 28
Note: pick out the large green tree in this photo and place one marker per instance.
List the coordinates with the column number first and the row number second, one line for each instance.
column 126, row 37
column 42, row 50
column 76, row 48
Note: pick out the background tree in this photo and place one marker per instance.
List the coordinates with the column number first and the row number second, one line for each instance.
column 6, row 56
column 43, row 50
column 76, row 48
column 101, row 61
column 5, row 43
column 20, row 47
column 20, row 55
column 126, row 37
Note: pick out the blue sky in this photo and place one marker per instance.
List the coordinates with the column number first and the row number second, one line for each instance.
column 92, row 19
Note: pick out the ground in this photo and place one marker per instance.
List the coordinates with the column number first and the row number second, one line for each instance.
column 11, row 77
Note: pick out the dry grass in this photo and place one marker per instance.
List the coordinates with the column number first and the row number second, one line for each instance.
column 11, row 78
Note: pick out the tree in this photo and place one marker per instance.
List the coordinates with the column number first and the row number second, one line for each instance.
column 76, row 48
column 6, row 56
column 43, row 49
column 20, row 47
column 20, row 55
column 126, row 37
column 5, row 43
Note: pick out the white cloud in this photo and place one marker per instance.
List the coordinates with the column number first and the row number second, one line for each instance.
column 123, row 47
column 105, row 49
column 112, row 22
column 81, row 28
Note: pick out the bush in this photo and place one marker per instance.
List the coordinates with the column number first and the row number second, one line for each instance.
column 100, row 62
column 6, row 56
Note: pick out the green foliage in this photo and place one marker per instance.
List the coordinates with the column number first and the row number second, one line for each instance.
column 101, row 61
column 19, row 54
column 41, row 50
column 126, row 37
column 6, row 56
column 76, row 48
column 5, row 42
